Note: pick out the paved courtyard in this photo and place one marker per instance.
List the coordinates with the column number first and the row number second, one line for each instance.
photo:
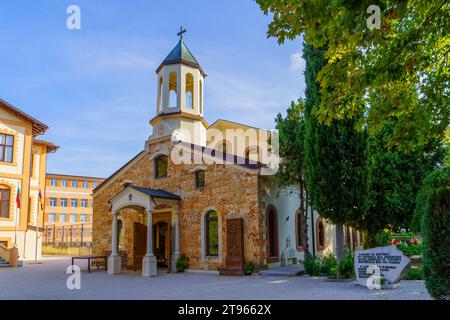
column 48, row 281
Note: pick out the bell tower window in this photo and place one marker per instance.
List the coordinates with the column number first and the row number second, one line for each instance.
column 189, row 91
column 173, row 92
column 160, row 94
column 201, row 97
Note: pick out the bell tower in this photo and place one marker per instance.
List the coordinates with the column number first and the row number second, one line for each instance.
column 180, row 95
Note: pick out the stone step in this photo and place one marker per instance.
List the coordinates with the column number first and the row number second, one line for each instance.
column 292, row 270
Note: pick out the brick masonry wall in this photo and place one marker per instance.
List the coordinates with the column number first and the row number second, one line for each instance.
column 230, row 191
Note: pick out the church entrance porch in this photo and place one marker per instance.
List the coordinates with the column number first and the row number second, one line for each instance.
column 154, row 246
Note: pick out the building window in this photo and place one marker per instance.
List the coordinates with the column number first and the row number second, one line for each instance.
column 5, row 194
column 173, row 92
column 320, row 235
column 52, row 217
column 299, row 228
column 200, row 179
column 84, row 203
column 62, row 218
column 94, row 184
column 53, row 182
column 74, row 183
column 189, row 91
column 161, row 167
column 83, row 218
column 6, row 148
column 212, row 233
column 64, row 183
column 53, row 202
column 201, row 97
column 84, row 184
column 63, row 202
column 73, row 218
column 74, row 203
column 74, row 233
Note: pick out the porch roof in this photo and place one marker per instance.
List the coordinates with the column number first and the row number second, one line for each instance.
column 157, row 193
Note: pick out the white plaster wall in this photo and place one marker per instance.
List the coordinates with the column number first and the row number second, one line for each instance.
column 26, row 250
column 287, row 203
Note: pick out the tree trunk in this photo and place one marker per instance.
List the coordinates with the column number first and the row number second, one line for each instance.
column 304, row 219
column 339, row 242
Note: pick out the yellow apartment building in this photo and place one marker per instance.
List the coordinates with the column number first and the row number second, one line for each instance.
column 68, row 209
column 23, row 162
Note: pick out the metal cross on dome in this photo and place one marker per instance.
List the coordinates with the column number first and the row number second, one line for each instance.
column 180, row 34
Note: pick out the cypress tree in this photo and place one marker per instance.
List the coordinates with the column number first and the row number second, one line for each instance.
column 335, row 159
column 291, row 171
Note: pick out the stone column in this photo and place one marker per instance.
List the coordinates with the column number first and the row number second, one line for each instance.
column 176, row 240
column 114, row 260
column 149, row 265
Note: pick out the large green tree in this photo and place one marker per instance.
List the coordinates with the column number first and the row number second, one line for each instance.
column 291, row 171
column 394, row 178
column 335, row 159
column 405, row 61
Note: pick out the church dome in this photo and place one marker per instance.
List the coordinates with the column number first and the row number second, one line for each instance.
column 181, row 54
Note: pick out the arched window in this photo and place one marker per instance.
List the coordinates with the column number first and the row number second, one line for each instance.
column 160, row 94
column 161, row 167
column 348, row 240
column 224, row 146
column 272, row 234
column 173, row 92
column 212, row 233
column 355, row 238
column 252, row 153
column 189, row 91
column 299, row 228
column 320, row 235
column 201, row 96
column 5, row 195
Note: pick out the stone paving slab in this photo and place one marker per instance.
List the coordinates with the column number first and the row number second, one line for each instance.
column 47, row 281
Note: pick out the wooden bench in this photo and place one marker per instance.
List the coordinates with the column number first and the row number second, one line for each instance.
column 91, row 259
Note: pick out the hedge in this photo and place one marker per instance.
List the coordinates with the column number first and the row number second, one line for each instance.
column 432, row 209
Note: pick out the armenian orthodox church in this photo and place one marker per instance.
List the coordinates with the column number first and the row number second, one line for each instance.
column 207, row 192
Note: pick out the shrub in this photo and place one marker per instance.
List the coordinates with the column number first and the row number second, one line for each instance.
column 182, row 263
column 433, row 212
column 346, row 267
column 410, row 249
column 312, row 265
column 414, row 274
column 248, row 267
column 328, row 262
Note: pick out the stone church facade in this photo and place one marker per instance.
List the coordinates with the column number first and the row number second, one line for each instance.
column 199, row 191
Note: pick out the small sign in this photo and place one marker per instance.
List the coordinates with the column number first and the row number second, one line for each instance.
column 389, row 263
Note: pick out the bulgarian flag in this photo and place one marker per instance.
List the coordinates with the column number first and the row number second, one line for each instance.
column 19, row 198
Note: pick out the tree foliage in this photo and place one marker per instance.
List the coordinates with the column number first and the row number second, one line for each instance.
column 433, row 207
column 399, row 71
column 291, row 171
column 394, row 178
column 335, row 159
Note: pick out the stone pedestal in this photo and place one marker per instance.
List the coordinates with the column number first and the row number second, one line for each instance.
column 114, row 265
column 149, row 266
column 234, row 261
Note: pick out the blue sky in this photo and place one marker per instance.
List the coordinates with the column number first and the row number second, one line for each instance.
column 96, row 87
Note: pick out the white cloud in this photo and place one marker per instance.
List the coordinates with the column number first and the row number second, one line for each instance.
column 297, row 62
